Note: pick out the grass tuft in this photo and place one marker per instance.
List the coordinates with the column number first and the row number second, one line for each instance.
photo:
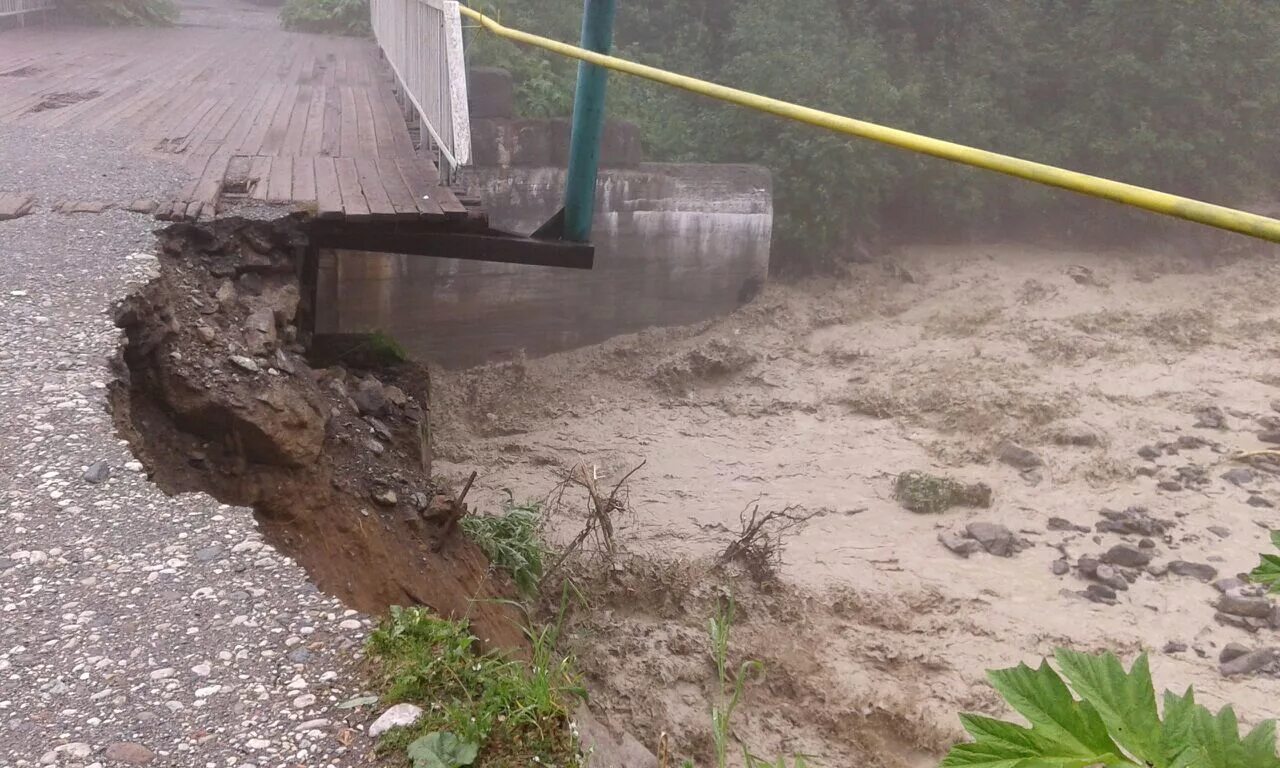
column 516, row 713
column 511, row 540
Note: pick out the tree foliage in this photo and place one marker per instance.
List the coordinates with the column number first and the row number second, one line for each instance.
column 140, row 13
column 1176, row 94
column 343, row 17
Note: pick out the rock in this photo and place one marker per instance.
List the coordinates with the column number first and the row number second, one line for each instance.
column 299, row 655
column 1238, row 476
column 1232, row 651
column 1251, row 607
column 1060, row 567
column 244, row 363
column 76, row 749
column 260, row 331
column 1127, row 556
column 313, row 725
column 1175, row 647
column 257, row 744
column 1250, row 662
column 1270, row 436
column 1148, row 471
column 203, row 669
column 350, row 624
column 375, row 447
column 1275, row 406
column 1158, row 569
column 206, row 334
column 1201, row 571
column 399, row 716
column 1147, row 544
column 1169, row 485
column 1111, row 577
column 958, row 544
column 396, row 396
column 1084, row 276
column 226, row 294
column 308, row 699
column 1260, row 502
column 419, row 501
column 1149, row 452
column 610, row 747
column 1087, row 566
column 379, row 428
column 128, row 752
column 370, row 398
column 96, row 473
column 1229, row 585
column 1133, row 521
column 1210, row 417
column 1016, row 456
column 995, row 539
column 386, row 498
column 164, row 673
column 208, row 554
column 1221, row 532
column 1100, row 594
column 1063, row 524
column 1077, row 434
column 1239, row 622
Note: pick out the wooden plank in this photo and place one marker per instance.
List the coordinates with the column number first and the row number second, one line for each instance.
column 209, row 188
column 354, row 205
column 291, row 144
column 397, row 190
column 330, row 135
column 366, row 131
column 328, row 194
column 374, row 193
column 304, row 180
column 259, row 177
column 448, row 202
column 349, row 143
column 279, row 125
column 280, row 181
column 262, row 122
column 420, row 187
column 313, row 132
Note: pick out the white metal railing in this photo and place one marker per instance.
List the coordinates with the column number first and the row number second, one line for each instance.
column 422, row 40
column 21, row 7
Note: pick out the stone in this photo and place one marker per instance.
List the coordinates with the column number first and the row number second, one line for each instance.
column 1133, row 521
column 1158, row 569
column 399, row 716
column 1077, row 434
column 350, row 624
column 1220, row 531
column 313, row 725
column 1232, row 651
column 1228, row 585
column 129, row 753
column 1270, row 436
column 1239, row 605
column 1148, row 471
column 1111, row 577
column 1250, row 662
column 379, row 428
column 1239, row 622
column 1127, row 556
column 208, row 554
column 299, row 655
column 961, row 545
column 257, row 744
column 76, row 749
column 1210, row 417
column 1100, row 594
column 995, row 539
column 203, row 669
column 306, row 700
column 386, row 498
column 1016, row 456
column 206, row 334
column 97, row 472
column 1088, row 566
column 1060, row 567
column 260, row 331
column 1149, row 452
column 1174, row 646
column 244, row 363
column 1238, row 476
column 375, row 447
column 1201, row 571
column 396, row 396
column 164, row 673
column 370, row 398
column 1063, row 524
column 1260, row 502
column 1169, row 485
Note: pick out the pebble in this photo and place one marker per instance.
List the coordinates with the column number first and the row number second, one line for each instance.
column 1016, row 456
column 1127, row 556
column 386, row 498
column 961, row 545
column 995, row 539
column 1174, row 646
column 1169, row 485
column 1221, row 532
column 1250, row 662
column 304, row 701
column 1261, row 502
column 350, row 624
column 1238, row 476
column 97, row 472
column 245, row 363
column 1201, row 571
column 164, row 673
column 398, row 716
column 257, row 744
column 1060, row 567
column 1239, row 605
column 1232, row 651
column 128, row 752
column 202, row 670
column 313, row 725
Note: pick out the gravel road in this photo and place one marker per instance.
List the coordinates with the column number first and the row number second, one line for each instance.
column 134, row 628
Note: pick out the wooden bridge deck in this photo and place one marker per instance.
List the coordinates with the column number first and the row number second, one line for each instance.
column 278, row 117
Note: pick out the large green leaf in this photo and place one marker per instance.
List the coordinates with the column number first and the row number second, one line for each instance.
column 441, row 749
column 998, row 744
column 1071, row 728
column 1177, row 738
column 1126, row 701
column 1268, row 572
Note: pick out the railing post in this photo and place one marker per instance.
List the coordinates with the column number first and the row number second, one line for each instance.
column 588, row 122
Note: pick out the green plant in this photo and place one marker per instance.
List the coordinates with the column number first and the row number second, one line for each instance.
column 142, row 13
column 1114, row 723
column 512, row 712
column 512, row 540
column 1268, row 571
column 346, row 17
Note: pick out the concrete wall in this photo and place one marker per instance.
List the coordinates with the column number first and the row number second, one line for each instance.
column 676, row 244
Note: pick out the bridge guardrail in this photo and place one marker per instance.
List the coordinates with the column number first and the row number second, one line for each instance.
column 422, row 41
column 20, row 8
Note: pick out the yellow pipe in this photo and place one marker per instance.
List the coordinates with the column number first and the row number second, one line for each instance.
column 1129, row 194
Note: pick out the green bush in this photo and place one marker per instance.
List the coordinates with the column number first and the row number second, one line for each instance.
column 1177, row 95
column 343, row 17
column 513, row 542
column 142, row 13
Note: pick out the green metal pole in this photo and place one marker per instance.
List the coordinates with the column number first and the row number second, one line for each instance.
column 588, row 122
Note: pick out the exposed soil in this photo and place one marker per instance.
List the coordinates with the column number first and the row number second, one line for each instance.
column 1099, row 396
column 216, row 394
